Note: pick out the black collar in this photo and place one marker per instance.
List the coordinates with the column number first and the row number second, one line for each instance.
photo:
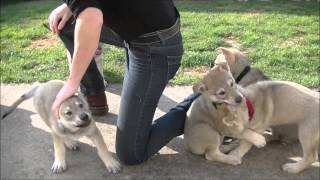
column 243, row 73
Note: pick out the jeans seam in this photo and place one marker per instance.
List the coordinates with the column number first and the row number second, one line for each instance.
column 141, row 112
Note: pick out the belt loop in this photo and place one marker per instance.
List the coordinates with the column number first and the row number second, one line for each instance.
column 126, row 44
column 162, row 39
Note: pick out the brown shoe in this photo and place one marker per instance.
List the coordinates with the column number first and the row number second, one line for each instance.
column 98, row 104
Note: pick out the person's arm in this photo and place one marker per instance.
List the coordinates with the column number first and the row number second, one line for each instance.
column 86, row 38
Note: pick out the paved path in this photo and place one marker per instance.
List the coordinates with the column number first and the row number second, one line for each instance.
column 27, row 150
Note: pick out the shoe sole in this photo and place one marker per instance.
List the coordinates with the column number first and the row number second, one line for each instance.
column 99, row 111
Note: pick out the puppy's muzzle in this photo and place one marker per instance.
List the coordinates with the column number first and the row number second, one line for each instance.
column 84, row 117
column 85, row 120
column 238, row 99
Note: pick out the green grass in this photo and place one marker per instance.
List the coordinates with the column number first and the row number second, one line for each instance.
column 281, row 37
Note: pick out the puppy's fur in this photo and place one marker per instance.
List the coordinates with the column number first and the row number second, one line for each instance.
column 220, row 110
column 75, row 121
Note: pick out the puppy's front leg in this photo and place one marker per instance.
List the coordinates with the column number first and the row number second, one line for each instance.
column 248, row 138
column 109, row 161
column 242, row 149
column 214, row 154
column 253, row 137
column 59, row 164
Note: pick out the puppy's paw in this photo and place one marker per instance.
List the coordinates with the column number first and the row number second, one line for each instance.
column 58, row 167
column 112, row 165
column 259, row 141
column 293, row 168
column 234, row 160
column 72, row 145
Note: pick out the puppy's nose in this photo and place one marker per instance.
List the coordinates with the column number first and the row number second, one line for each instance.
column 238, row 99
column 84, row 117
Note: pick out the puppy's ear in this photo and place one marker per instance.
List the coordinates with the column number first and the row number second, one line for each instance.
column 200, row 87
column 228, row 54
column 79, row 94
column 223, row 67
column 220, row 59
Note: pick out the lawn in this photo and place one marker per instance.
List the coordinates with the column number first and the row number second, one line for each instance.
column 281, row 38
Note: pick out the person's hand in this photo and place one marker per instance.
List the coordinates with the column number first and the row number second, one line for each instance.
column 58, row 18
column 65, row 92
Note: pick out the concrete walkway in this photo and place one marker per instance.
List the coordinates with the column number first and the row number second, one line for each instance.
column 27, row 149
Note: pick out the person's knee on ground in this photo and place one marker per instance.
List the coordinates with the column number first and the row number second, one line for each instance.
column 126, row 150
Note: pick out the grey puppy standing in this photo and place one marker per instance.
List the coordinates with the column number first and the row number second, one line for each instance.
column 75, row 121
column 280, row 103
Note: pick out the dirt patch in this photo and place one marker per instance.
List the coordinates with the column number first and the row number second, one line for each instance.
column 233, row 42
column 291, row 43
column 196, row 71
column 44, row 42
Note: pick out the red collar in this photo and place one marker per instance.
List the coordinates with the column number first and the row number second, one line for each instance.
column 250, row 108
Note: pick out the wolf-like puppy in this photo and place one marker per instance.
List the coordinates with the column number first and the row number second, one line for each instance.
column 75, row 121
column 220, row 110
column 280, row 103
column 240, row 67
column 245, row 74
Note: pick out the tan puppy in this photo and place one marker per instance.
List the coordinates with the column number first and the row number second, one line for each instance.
column 75, row 121
column 220, row 110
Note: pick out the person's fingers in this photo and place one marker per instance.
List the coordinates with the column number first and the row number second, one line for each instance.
column 55, row 23
column 62, row 23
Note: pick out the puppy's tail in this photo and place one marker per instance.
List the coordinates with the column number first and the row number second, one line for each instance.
column 22, row 98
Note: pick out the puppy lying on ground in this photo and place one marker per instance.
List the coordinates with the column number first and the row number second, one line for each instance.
column 75, row 121
column 220, row 110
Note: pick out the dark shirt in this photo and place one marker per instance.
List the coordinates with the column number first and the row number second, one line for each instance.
column 130, row 18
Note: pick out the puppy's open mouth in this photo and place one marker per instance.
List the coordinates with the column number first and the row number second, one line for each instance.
column 83, row 124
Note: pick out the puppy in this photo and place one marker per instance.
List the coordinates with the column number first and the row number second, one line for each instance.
column 75, row 121
column 220, row 110
column 245, row 75
column 279, row 103
column 240, row 67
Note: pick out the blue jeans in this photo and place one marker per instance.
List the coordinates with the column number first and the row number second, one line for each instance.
column 151, row 61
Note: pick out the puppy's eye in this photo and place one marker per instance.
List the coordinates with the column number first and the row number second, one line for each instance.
column 221, row 92
column 68, row 113
column 80, row 105
column 232, row 84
